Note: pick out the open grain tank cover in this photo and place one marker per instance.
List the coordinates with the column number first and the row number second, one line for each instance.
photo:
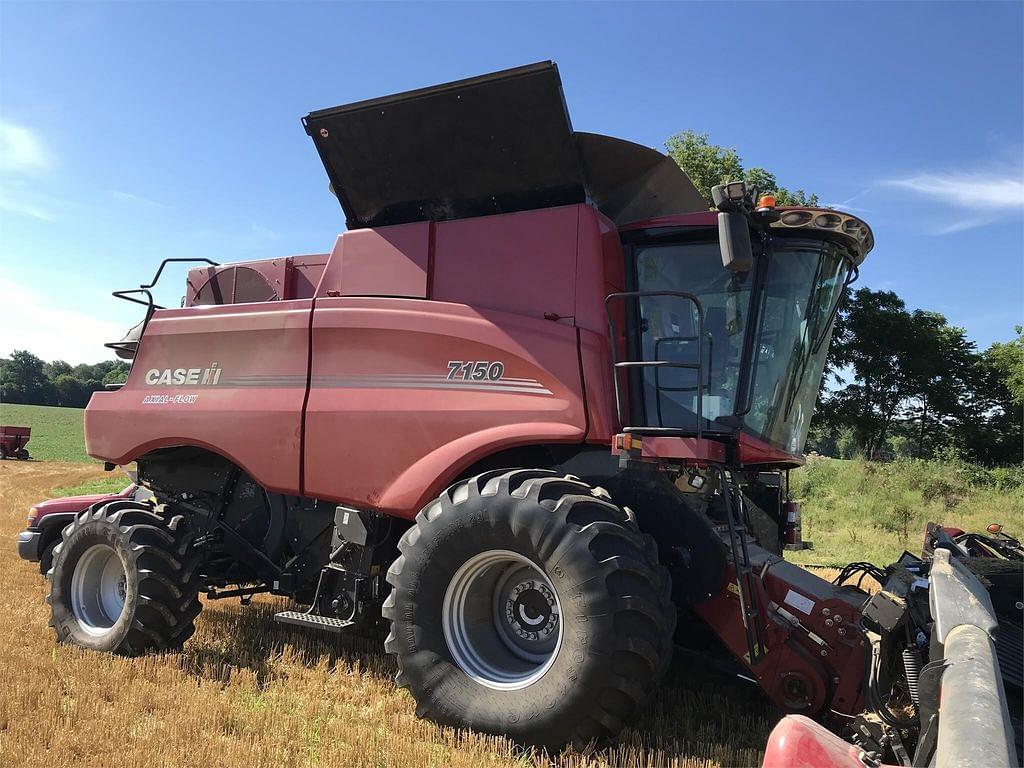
column 491, row 144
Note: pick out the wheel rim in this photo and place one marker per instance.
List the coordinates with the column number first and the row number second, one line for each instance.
column 502, row 620
column 98, row 589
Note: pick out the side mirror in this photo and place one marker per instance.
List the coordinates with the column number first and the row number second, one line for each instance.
column 734, row 240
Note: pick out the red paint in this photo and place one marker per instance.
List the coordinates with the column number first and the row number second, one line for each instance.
column 754, row 451
column 688, row 449
column 523, row 263
column 384, row 423
column 255, row 422
column 799, row 742
column 524, row 289
column 76, row 504
column 790, row 651
column 14, row 439
column 390, row 261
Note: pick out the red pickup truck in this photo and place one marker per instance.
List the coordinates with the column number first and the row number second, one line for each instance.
column 47, row 519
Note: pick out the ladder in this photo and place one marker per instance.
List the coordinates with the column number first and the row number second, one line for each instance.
column 746, row 582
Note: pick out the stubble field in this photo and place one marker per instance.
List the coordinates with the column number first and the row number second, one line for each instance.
column 247, row 692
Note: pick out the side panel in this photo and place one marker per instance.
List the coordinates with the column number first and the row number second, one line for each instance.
column 518, row 262
column 391, row 418
column 228, row 378
column 389, row 261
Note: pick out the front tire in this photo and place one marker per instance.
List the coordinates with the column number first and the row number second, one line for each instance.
column 526, row 603
column 124, row 580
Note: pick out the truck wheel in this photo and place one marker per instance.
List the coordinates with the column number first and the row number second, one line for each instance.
column 46, row 556
column 124, row 580
column 526, row 603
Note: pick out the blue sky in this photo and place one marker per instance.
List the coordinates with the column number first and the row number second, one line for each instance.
column 133, row 132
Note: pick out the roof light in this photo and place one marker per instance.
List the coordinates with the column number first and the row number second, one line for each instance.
column 766, row 201
column 850, row 228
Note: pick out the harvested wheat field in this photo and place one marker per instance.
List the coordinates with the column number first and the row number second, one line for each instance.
column 246, row 692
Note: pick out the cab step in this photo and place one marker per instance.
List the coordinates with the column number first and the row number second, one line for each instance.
column 312, row 620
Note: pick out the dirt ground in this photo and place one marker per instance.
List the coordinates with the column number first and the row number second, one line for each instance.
column 247, row 692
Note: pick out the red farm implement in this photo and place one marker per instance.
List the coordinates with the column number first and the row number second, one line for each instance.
column 13, row 441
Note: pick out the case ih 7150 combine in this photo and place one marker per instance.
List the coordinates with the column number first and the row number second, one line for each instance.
column 535, row 408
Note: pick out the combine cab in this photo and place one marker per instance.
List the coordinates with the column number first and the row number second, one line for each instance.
column 535, row 408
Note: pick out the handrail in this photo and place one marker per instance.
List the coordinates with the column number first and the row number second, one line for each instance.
column 656, row 364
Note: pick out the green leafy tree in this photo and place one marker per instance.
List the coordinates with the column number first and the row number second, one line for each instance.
column 912, row 375
column 69, row 392
column 1007, row 361
column 23, row 379
column 709, row 164
column 993, row 431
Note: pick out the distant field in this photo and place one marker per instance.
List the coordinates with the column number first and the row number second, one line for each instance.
column 57, row 433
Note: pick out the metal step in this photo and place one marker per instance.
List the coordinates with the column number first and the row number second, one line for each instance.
column 312, row 620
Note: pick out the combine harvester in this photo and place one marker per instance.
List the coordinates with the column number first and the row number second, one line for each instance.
column 536, row 409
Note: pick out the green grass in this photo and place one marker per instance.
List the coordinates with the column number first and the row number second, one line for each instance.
column 112, row 482
column 860, row 510
column 57, row 433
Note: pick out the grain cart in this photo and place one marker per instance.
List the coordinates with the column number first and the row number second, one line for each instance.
column 535, row 409
column 13, row 441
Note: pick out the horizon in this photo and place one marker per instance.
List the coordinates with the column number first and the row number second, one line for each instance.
column 143, row 132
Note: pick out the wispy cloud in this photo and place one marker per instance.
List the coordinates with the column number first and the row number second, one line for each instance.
column 973, row 191
column 131, row 197
column 846, row 205
column 973, row 199
column 21, row 150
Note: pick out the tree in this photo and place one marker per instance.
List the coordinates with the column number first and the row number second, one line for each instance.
column 1007, row 360
column 912, row 374
column 23, row 380
column 993, row 430
column 68, row 391
column 709, row 164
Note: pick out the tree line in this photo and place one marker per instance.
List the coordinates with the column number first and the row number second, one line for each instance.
column 25, row 378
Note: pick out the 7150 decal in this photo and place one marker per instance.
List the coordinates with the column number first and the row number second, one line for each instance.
column 475, row 370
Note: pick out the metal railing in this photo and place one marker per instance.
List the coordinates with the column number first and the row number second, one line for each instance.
column 657, row 365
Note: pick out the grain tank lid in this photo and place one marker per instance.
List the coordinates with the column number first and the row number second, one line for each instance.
column 630, row 182
column 491, row 144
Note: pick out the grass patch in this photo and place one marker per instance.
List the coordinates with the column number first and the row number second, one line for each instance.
column 112, row 482
column 860, row 510
column 57, row 433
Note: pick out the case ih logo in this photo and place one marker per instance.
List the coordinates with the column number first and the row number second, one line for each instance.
column 169, row 377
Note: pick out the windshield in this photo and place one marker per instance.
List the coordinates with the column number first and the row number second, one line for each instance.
column 801, row 283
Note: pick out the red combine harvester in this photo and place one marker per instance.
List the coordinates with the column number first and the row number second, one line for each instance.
column 13, row 441
column 535, row 409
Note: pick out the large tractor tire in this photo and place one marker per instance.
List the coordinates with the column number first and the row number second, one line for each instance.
column 124, row 580
column 526, row 603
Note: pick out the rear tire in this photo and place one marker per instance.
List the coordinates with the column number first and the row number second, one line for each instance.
column 124, row 580
column 526, row 603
